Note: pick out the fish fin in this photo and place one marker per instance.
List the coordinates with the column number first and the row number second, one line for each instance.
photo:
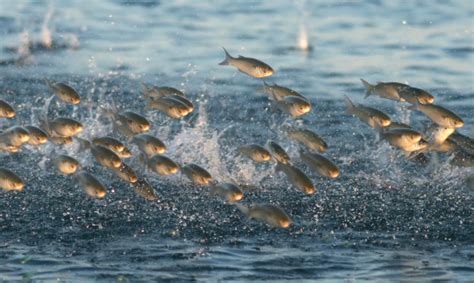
column 213, row 189
column 227, row 58
column 83, row 144
column 350, row 106
column 49, row 83
column 142, row 158
column 368, row 88
column 413, row 106
column 244, row 209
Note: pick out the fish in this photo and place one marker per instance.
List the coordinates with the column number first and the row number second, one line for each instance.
column 255, row 152
column 439, row 115
column 144, row 189
column 149, row 144
column 37, row 135
column 371, row 116
column 297, row 178
column 6, row 110
column 126, row 173
column 196, row 174
column 271, row 214
column 279, row 92
column 15, row 136
column 103, row 155
column 388, row 90
column 320, row 164
column 157, row 92
column 109, row 142
column 293, row 105
column 90, row 184
column 9, row 181
column 62, row 127
column 415, row 95
column 66, row 164
column 128, row 123
column 278, row 152
column 415, row 148
column 64, row 92
column 250, row 66
column 161, row 164
column 402, row 138
column 228, row 191
column 310, row 139
column 438, row 135
column 170, row 106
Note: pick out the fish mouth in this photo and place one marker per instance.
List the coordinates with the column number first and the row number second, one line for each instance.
column 19, row 186
column 173, row 170
column 334, row 173
column 458, row 124
column 79, row 129
column 42, row 140
column 11, row 115
column 117, row 163
column 386, row 123
column 133, row 179
column 237, row 197
column 75, row 101
column 309, row 191
column 101, row 194
column 145, row 128
column 119, row 148
column 285, row 223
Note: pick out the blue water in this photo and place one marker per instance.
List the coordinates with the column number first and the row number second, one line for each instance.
column 384, row 218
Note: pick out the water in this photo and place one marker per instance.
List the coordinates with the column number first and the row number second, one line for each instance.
column 384, row 218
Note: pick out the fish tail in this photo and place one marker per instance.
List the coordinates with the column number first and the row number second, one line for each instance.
column 83, row 144
column 48, row 83
column 350, row 106
column 227, row 58
column 244, row 209
column 146, row 91
column 368, row 88
column 213, row 188
column 413, row 106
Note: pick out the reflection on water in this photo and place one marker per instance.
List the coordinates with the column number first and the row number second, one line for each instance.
column 384, row 218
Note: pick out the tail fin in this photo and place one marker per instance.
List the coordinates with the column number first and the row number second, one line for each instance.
column 368, row 88
column 48, row 83
column 213, row 189
column 146, row 91
column 350, row 106
column 244, row 209
column 227, row 58
column 83, row 144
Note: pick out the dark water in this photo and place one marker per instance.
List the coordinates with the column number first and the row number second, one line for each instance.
column 384, row 218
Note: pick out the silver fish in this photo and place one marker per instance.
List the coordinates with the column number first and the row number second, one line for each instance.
column 109, row 142
column 196, row 174
column 255, row 152
column 268, row 213
column 252, row 67
column 157, row 92
column 6, row 110
column 278, row 152
column 64, row 92
column 66, row 164
column 228, row 191
column 297, row 178
column 402, row 138
column 9, row 181
column 279, row 92
column 37, row 135
column 384, row 90
column 370, row 116
column 439, row 115
column 309, row 139
column 126, row 173
column 149, row 144
column 320, row 164
column 90, row 184
column 162, row 165
column 170, row 106
column 145, row 190
column 15, row 136
column 293, row 105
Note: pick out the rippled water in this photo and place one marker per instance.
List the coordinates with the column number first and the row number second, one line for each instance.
column 384, row 218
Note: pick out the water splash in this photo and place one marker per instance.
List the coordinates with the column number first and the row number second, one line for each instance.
column 46, row 36
column 303, row 43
